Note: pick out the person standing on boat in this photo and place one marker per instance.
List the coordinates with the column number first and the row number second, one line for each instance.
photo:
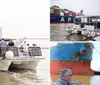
column 3, row 43
column 25, row 47
column 11, row 43
column 66, row 78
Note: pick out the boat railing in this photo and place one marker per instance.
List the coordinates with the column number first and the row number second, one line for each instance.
column 23, row 52
column 35, row 51
column 4, row 49
column 29, row 52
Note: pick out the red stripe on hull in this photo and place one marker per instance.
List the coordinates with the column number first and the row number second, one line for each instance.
column 78, row 68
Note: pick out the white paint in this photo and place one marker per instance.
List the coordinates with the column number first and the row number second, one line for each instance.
column 84, row 19
column 88, row 27
column 95, row 20
column 76, row 26
column 69, row 19
column 62, row 19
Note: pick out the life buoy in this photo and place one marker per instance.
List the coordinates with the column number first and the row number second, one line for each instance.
column 9, row 54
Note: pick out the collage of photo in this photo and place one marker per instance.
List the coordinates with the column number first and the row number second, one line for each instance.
column 49, row 42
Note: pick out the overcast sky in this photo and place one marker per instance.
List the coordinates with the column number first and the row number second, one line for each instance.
column 90, row 7
column 20, row 18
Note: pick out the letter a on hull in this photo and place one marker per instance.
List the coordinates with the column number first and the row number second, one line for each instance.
column 62, row 19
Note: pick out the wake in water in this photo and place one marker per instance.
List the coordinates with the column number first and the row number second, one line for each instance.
column 27, row 78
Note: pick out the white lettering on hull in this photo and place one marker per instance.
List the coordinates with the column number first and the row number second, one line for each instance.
column 62, row 19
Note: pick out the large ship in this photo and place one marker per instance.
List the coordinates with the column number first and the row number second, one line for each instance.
column 69, row 23
column 75, row 56
column 58, row 15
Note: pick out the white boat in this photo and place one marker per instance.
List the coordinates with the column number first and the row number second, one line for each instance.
column 18, row 58
column 30, row 65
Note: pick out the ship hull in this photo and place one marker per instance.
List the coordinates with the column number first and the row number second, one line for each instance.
column 77, row 68
column 63, row 19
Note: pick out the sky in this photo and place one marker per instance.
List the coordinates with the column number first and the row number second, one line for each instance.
column 95, row 63
column 20, row 18
column 90, row 7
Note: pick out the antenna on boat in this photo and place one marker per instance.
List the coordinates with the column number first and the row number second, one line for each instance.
column 20, row 40
column 23, row 39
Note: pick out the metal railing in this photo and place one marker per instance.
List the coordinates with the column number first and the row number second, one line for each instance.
column 3, row 50
column 29, row 51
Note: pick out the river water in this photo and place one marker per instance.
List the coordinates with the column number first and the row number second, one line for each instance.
column 27, row 77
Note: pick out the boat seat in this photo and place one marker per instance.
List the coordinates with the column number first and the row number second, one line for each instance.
column 34, row 51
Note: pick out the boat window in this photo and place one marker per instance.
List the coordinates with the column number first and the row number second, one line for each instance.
column 35, row 51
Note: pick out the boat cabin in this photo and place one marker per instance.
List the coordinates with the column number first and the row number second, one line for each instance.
column 29, row 51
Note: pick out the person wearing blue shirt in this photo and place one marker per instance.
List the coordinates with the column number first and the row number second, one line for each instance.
column 3, row 43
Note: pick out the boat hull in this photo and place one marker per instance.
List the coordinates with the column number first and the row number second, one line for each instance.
column 30, row 65
column 77, row 68
column 4, row 65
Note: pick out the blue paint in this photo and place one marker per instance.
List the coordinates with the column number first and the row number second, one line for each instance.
column 64, row 51
column 64, row 19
